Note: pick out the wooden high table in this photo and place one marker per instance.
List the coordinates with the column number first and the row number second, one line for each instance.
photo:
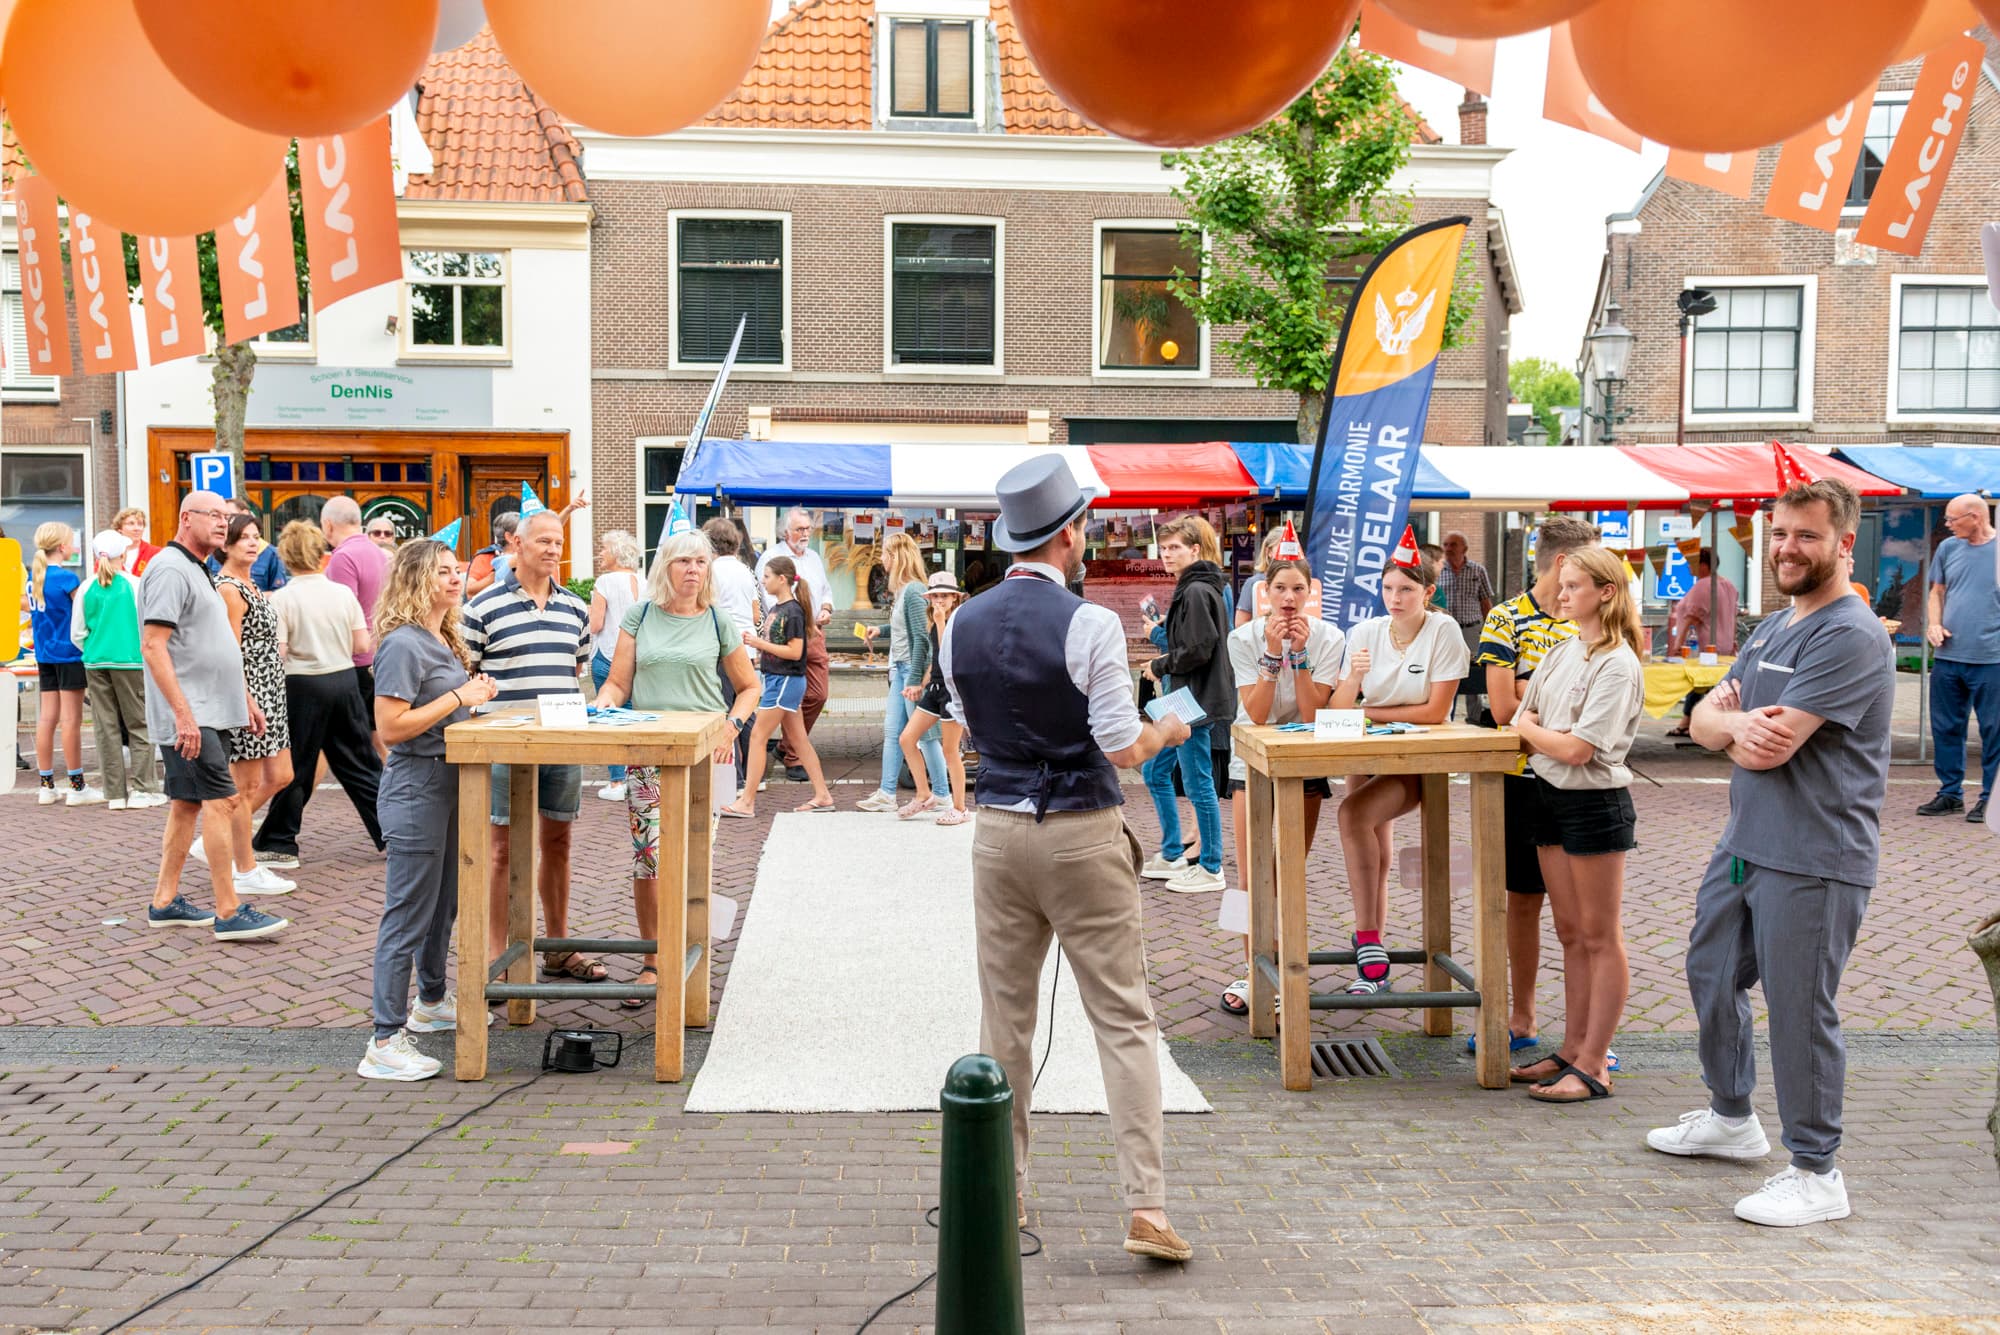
column 1280, row 763
column 680, row 745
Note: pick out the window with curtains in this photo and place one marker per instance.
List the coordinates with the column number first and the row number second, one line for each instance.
column 1884, row 119
column 457, row 301
column 943, row 295
column 1947, row 351
column 1746, row 352
column 1141, row 326
column 726, row 269
column 931, row 69
column 15, row 381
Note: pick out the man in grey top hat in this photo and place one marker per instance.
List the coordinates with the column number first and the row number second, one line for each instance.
column 1040, row 679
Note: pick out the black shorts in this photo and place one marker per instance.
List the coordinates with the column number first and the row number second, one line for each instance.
column 364, row 679
column 1584, row 821
column 1521, row 806
column 60, row 676
column 206, row 777
column 1320, row 788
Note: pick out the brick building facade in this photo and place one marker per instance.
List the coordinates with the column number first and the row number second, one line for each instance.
column 812, row 153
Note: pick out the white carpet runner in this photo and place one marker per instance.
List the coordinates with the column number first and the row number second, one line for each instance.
column 854, row 985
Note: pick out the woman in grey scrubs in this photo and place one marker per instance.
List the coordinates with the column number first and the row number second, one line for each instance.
column 421, row 685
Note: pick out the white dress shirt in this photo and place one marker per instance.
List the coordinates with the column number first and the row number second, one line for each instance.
column 810, row 567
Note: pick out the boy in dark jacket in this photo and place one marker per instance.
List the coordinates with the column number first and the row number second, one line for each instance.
column 1196, row 626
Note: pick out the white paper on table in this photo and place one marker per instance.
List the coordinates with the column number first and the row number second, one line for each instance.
column 1234, row 913
column 1334, row 723
column 1709, row 659
column 563, row 711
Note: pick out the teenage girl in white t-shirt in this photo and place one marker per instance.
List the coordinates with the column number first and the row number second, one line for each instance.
column 1401, row 668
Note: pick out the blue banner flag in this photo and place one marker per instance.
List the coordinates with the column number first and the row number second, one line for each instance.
column 1377, row 398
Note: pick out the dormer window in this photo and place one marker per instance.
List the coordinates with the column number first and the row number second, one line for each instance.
column 931, row 69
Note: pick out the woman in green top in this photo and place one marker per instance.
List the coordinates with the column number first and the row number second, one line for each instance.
column 104, row 623
column 666, row 660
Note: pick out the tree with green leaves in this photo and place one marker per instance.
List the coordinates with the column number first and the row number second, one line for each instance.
column 1291, row 213
column 1545, row 386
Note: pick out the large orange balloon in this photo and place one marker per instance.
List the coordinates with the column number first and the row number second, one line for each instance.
column 1940, row 21
column 1182, row 72
column 1990, row 11
column 1483, row 18
column 633, row 67
column 1726, row 76
column 294, row 69
column 98, row 114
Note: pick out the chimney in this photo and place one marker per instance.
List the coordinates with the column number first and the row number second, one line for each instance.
column 1472, row 119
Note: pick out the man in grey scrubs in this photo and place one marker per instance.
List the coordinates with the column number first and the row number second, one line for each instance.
column 1804, row 713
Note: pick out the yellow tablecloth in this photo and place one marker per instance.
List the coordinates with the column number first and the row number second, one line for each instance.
column 1667, row 684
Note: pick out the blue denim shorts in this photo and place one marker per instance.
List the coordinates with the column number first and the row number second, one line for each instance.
column 558, row 795
column 786, row 693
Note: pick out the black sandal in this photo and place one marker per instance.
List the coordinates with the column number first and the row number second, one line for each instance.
column 1523, row 1075
column 639, row 1003
column 1594, row 1089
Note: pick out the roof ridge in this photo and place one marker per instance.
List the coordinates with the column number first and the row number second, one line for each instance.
column 564, row 152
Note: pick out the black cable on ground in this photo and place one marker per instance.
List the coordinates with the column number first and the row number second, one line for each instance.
column 930, row 1215
column 331, row 1196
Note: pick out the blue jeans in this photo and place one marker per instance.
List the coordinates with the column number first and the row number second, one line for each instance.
column 894, row 719
column 600, row 668
column 1198, row 779
column 1958, row 692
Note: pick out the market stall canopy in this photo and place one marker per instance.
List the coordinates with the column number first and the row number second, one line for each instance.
column 1531, row 477
column 1170, row 477
column 1934, row 472
column 962, row 477
column 789, row 472
column 1282, row 471
column 1746, row 472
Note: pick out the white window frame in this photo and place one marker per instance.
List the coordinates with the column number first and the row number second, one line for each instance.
column 1883, row 97
column 978, row 12
column 408, row 350
column 999, row 362
column 81, row 452
column 1808, row 327
column 1098, row 370
column 674, row 216
column 641, row 498
column 45, row 389
column 307, row 351
column 1926, row 416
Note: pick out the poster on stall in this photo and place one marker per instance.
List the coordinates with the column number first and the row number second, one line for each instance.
column 891, row 526
column 864, row 528
column 927, row 531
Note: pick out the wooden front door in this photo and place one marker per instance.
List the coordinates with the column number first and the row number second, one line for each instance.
column 493, row 488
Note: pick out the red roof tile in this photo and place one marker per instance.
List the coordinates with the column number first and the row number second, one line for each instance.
column 492, row 137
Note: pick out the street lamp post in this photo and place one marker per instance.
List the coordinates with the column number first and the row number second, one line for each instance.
column 1610, row 347
column 1694, row 303
column 1534, row 434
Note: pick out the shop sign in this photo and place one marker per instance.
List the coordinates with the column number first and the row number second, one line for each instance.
column 377, row 396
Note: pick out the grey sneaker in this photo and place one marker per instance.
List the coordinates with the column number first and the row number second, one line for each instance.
column 180, row 913
column 1160, row 867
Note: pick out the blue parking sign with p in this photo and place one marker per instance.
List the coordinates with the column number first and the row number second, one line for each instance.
column 212, row 472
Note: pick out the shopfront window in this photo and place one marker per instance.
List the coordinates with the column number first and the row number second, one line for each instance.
column 660, row 469
column 457, row 300
column 1141, row 325
column 41, row 488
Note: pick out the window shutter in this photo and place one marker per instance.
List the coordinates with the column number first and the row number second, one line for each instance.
column 729, row 268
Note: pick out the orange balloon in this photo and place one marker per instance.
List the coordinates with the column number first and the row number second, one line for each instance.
column 1941, row 21
column 1724, row 76
column 1990, row 11
column 1483, row 18
column 293, row 69
column 633, row 67
column 98, row 114
column 1182, row 72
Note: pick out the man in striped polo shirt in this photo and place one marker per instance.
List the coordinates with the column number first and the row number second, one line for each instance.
column 532, row 636
column 1517, row 634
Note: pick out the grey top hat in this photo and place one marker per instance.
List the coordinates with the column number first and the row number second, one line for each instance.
column 1037, row 498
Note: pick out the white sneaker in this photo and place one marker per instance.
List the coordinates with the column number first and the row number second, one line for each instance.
column 612, row 792
column 397, row 1059
column 1795, row 1197
column 1196, row 880
column 428, row 1019
column 877, row 801
column 263, row 881
column 1159, row 867
column 1703, row 1134
column 115, row 803
column 47, row 797
column 195, row 852
column 148, row 800
column 83, row 797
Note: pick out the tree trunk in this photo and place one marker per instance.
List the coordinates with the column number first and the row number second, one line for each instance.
column 1310, row 407
column 235, row 364
column 1985, row 943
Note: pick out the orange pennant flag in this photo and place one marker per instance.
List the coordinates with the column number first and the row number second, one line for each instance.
column 1568, row 100
column 1912, row 181
column 257, row 268
column 1743, row 530
column 1809, row 185
column 1690, row 549
column 103, row 300
column 35, row 209
column 1463, row 60
column 1731, row 173
column 170, row 291
column 347, row 191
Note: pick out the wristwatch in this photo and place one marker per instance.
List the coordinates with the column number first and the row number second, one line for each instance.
column 742, row 724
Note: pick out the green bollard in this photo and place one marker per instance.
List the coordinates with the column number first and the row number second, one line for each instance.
column 979, row 1248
